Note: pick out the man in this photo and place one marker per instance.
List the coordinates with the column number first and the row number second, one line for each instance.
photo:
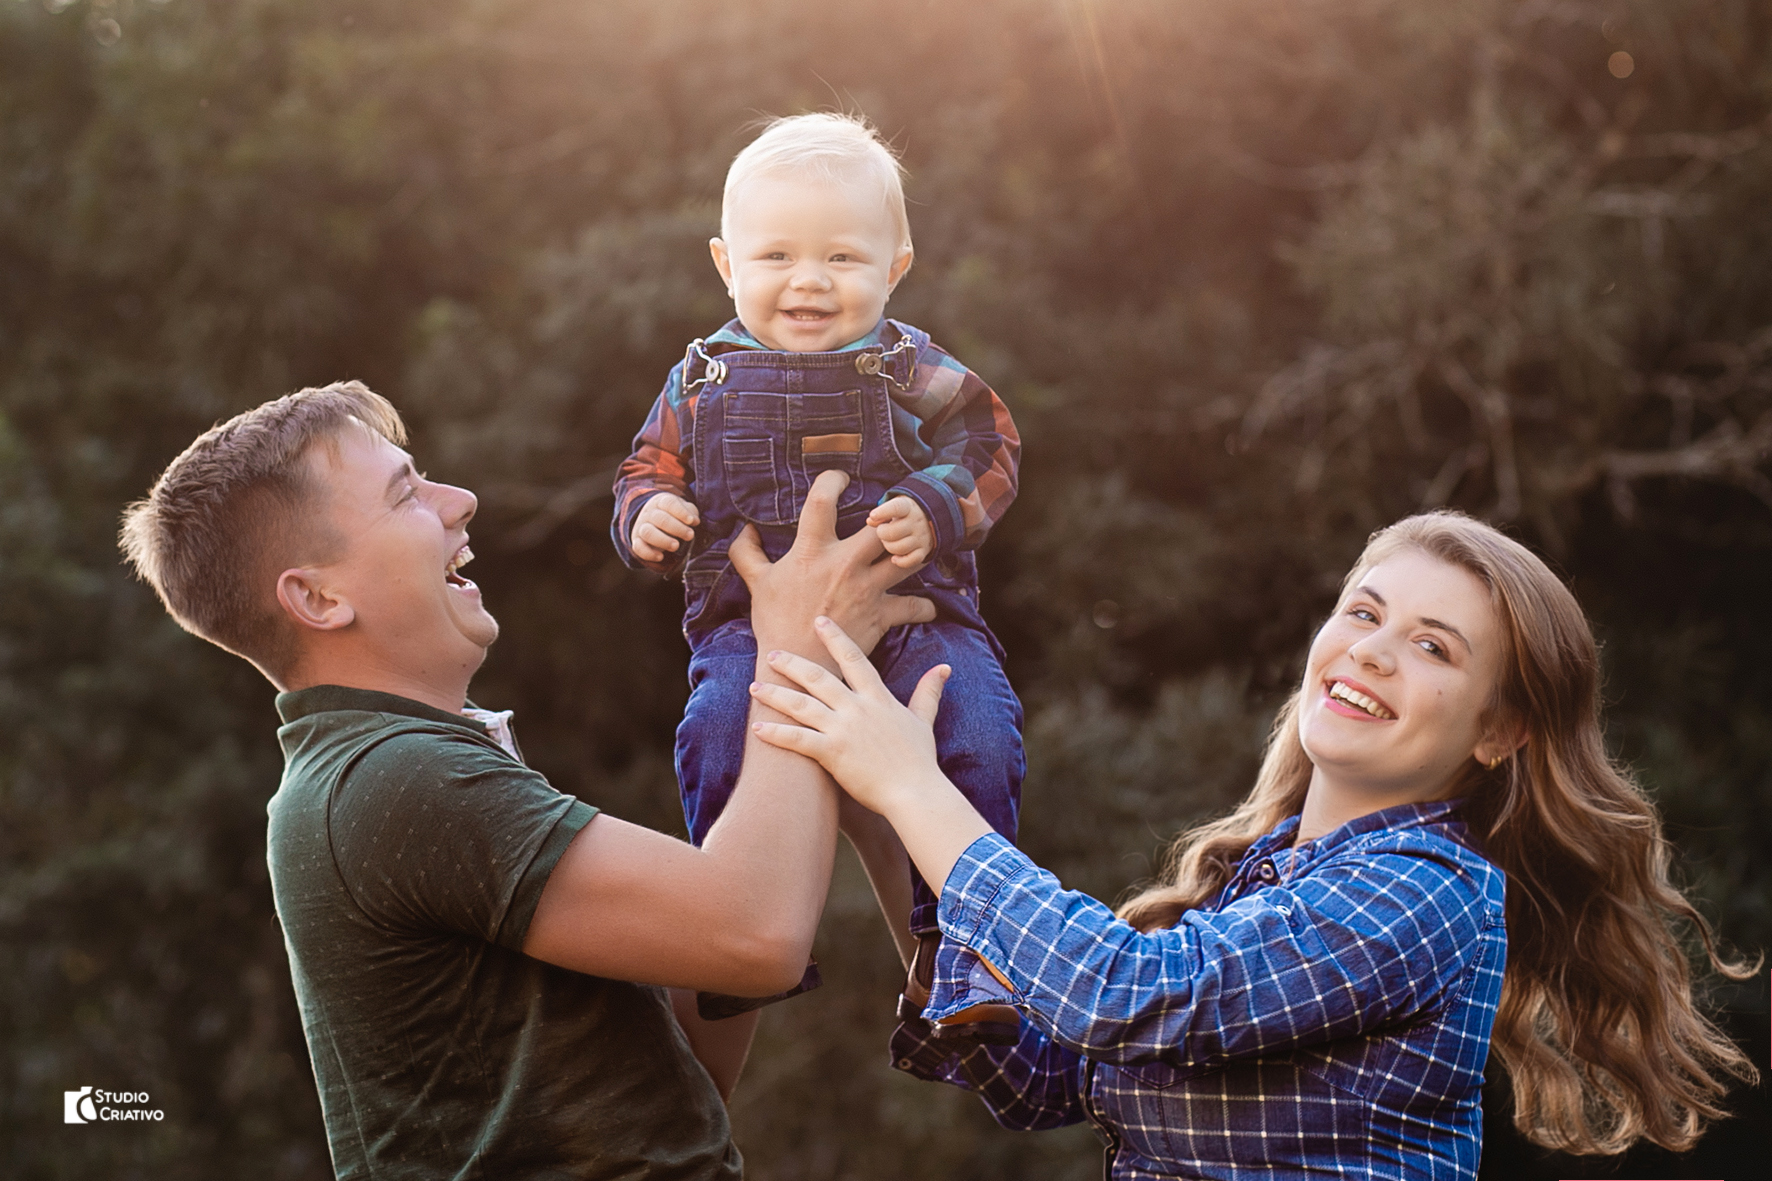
column 477, row 957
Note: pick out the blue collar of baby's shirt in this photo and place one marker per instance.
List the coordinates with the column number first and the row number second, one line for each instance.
column 734, row 335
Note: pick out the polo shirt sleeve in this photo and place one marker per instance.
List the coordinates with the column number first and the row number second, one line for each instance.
column 437, row 833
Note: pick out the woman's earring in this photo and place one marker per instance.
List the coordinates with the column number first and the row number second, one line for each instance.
column 1494, row 762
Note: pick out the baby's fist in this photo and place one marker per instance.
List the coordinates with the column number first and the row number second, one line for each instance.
column 665, row 522
column 904, row 530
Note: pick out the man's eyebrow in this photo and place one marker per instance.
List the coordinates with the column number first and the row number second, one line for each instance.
column 404, row 472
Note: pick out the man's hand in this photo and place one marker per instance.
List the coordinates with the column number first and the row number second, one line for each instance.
column 904, row 530
column 843, row 580
column 738, row 914
column 665, row 522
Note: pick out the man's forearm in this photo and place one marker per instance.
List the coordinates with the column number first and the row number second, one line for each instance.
column 774, row 843
column 739, row 914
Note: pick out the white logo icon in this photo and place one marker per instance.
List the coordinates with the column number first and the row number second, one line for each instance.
column 78, row 1107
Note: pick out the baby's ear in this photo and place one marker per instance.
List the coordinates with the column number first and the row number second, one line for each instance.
column 901, row 262
column 722, row 261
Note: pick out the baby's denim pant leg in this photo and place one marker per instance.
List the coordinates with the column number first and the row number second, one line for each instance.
column 977, row 732
column 710, row 739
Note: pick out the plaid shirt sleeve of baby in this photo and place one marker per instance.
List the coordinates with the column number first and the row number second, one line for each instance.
column 963, row 445
column 1386, row 924
column 660, row 462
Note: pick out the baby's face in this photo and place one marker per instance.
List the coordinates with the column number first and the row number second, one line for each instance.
column 809, row 263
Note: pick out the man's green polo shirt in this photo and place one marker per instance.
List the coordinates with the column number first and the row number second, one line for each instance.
column 408, row 851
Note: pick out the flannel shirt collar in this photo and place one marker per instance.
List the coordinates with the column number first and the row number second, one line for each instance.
column 734, row 335
column 1281, row 837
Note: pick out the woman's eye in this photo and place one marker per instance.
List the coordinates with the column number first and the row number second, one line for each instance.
column 1432, row 648
column 1364, row 613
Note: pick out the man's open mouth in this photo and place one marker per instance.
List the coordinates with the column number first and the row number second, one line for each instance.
column 462, row 557
column 1343, row 692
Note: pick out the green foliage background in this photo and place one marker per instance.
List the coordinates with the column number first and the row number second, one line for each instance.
column 1255, row 279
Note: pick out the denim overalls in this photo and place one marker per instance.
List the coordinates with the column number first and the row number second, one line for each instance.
column 766, row 424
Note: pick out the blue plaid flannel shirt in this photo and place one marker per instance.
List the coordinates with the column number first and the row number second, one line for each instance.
column 1328, row 1013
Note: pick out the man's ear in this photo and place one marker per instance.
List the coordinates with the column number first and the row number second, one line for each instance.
column 305, row 599
column 901, row 262
column 722, row 261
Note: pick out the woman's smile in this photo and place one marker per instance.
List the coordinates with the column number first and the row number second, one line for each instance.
column 1351, row 699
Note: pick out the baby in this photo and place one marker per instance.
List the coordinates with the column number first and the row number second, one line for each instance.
column 810, row 376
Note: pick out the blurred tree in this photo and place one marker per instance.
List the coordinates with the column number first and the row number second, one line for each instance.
column 1255, row 279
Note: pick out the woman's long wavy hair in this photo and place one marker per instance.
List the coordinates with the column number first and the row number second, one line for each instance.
column 1597, row 1025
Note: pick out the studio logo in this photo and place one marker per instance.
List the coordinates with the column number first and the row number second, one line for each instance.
column 88, row 1106
column 78, row 1107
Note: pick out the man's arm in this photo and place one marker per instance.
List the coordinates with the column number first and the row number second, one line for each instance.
column 737, row 915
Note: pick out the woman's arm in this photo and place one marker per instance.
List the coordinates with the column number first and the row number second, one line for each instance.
column 1028, row 1087
column 1362, row 942
column 1365, row 939
column 888, row 868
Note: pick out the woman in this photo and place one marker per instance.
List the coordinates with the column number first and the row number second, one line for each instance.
column 1437, row 851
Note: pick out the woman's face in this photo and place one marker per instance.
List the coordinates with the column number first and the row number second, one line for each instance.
column 1398, row 680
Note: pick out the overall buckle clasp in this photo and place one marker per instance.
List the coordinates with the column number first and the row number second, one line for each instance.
column 872, row 364
column 713, row 370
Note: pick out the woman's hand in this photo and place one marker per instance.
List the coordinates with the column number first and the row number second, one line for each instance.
column 880, row 752
column 858, row 731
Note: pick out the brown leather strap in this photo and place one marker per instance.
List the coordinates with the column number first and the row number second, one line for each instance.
column 830, row 445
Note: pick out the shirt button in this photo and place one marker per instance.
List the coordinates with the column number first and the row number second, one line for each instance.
column 1267, row 873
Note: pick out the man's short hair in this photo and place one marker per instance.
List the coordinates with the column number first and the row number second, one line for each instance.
column 237, row 508
column 828, row 146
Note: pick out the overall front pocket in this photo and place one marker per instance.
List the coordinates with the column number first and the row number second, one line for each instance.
column 829, row 437
column 757, row 480
column 839, row 451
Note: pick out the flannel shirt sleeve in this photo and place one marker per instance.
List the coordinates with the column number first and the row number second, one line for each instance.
column 660, row 462
column 970, row 479
column 1029, row 1087
column 1367, row 938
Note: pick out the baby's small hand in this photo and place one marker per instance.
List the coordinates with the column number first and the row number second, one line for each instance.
column 904, row 530
column 664, row 524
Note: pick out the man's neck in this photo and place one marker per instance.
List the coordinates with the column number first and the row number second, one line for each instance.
column 447, row 693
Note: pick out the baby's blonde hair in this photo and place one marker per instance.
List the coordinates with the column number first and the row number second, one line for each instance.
column 828, row 146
